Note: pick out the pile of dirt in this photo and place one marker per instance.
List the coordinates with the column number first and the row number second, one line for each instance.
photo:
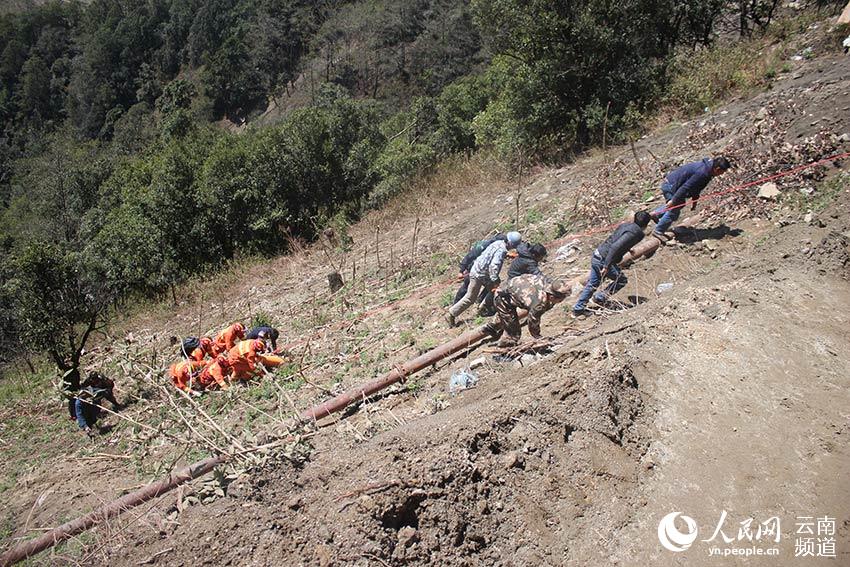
column 832, row 255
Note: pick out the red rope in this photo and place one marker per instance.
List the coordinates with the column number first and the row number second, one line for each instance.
column 716, row 194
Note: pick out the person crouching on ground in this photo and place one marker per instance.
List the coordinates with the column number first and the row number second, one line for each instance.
column 536, row 294
column 88, row 405
column 243, row 358
column 228, row 338
column 605, row 260
column 265, row 333
column 484, row 273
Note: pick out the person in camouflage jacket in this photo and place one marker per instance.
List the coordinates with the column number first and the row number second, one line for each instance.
column 536, row 294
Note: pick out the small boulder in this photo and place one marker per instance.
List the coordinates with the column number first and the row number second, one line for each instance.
column 769, row 191
column 512, row 459
column 407, row 535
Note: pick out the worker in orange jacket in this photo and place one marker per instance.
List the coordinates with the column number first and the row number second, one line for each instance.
column 228, row 338
column 216, row 373
column 205, row 349
column 183, row 373
column 243, row 358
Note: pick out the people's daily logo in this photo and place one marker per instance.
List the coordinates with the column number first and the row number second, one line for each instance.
column 670, row 536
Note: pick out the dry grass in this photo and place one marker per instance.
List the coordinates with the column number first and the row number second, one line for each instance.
column 453, row 179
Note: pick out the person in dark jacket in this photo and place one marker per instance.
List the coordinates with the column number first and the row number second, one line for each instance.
column 527, row 260
column 97, row 381
column 96, row 389
column 466, row 262
column 686, row 182
column 265, row 333
column 605, row 259
column 87, row 408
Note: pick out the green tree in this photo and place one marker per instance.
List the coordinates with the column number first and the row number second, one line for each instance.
column 559, row 62
column 233, row 84
column 156, row 230
column 51, row 192
column 34, row 95
column 57, row 303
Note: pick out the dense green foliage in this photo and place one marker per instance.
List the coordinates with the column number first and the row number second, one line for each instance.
column 116, row 181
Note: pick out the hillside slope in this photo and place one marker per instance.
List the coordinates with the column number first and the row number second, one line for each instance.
column 726, row 393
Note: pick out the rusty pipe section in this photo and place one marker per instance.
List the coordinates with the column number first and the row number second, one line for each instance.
column 107, row 511
column 397, row 374
column 650, row 244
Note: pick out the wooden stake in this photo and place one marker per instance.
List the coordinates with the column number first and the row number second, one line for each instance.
column 413, row 247
column 377, row 246
column 637, row 159
column 519, row 190
column 605, row 126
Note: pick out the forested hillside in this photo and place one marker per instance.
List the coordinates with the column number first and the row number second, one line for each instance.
column 130, row 159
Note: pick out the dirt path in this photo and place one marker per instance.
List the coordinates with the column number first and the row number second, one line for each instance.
column 750, row 384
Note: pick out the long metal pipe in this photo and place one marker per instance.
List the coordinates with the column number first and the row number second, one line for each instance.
column 397, row 374
column 107, row 511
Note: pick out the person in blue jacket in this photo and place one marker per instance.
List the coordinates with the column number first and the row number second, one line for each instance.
column 686, row 182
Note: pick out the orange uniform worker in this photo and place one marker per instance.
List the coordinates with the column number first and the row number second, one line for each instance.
column 243, row 358
column 216, row 373
column 206, row 348
column 228, row 338
column 184, row 372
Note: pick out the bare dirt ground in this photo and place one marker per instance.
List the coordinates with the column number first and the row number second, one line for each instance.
column 727, row 393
